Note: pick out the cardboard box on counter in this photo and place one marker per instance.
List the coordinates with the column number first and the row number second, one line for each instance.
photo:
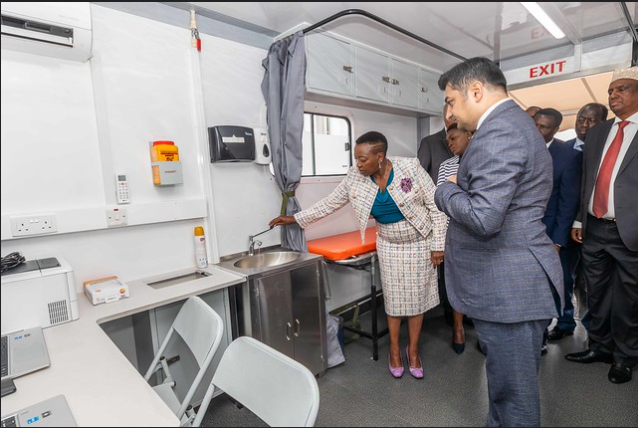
column 105, row 290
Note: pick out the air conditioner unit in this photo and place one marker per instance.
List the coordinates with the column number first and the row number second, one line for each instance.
column 59, row 29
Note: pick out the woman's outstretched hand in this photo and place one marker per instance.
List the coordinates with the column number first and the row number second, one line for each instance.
column 282, row 220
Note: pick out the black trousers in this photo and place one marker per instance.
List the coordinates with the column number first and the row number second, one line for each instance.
column 611, row 277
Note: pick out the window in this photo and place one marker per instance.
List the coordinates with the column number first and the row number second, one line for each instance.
column 327, row 145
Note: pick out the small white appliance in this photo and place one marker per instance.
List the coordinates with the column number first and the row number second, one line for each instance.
column 38, row 293
column 263, row 154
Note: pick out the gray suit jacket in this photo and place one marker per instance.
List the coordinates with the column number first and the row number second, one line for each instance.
column 624, row 187
column 500, row 265
column 432, row 152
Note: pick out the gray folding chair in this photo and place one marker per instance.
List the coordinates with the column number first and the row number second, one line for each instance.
column 200, row 327
column 276, row 388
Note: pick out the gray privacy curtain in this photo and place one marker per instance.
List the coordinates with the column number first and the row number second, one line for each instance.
column 283, row 89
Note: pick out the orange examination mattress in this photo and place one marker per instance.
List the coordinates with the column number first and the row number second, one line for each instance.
column 344, row 245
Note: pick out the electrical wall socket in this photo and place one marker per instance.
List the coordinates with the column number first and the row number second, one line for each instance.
column 33, row 225
column 116, row 217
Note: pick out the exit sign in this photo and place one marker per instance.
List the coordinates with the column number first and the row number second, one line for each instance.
column 540, row 71
column 547, row 70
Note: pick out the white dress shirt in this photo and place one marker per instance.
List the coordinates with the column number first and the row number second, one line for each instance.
column 550, row 143
column 488, row 111
column 578, row 145
column 629, row 133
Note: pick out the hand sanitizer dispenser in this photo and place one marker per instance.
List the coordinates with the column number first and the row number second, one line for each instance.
column 231, row 144
column 263, row 156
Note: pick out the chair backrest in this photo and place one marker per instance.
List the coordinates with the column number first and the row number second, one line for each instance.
column 201, row 329
column 276, row 388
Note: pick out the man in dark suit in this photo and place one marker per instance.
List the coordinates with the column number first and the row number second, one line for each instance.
column 502, row 270
column 587, row 117
column 561, row 208
column 433, row 150
column 607, row 227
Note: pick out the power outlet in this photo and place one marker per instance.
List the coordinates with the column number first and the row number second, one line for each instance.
column 116, row 217
column 33, row 225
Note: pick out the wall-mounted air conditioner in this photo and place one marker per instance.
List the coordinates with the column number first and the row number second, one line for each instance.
column 59, row 29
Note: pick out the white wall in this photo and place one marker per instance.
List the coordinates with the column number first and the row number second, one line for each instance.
column 68, row 127
column 246, row 195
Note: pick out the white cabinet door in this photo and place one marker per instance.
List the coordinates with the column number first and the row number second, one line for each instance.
column 404, row 81
column 430, row 96
column 330, row 65
column 373, row 78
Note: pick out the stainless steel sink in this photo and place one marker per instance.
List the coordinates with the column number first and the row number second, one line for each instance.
column 266, row 260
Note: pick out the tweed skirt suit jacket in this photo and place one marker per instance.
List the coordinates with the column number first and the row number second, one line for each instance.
column 407, row 275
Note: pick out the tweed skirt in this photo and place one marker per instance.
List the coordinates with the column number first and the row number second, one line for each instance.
column 407, row 275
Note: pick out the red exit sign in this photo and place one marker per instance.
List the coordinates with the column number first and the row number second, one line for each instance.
column 547, row 69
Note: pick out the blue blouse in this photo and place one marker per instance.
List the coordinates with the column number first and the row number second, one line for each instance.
column 384, row 209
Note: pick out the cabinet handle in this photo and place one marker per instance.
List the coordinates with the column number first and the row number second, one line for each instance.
column 386, row 79
column 395, row 82
column 347, row 68
column 297, row 328
column 424, row 89
column 288, row 331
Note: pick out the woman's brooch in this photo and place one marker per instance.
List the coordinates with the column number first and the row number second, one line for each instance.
column 406, row 185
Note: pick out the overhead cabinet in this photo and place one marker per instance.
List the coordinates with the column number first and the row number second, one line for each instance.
column 347, row 70
column 330, row 65
column 431, row 98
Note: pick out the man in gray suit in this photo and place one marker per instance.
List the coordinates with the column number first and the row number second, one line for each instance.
column 503, row 270
column 607, row 226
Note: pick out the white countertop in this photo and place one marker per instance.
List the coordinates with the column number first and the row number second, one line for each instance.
column 101, row 386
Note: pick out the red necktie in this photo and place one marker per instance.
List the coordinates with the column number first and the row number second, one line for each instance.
column 601, row 192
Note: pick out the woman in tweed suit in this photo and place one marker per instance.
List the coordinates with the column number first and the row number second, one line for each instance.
column 399, row 194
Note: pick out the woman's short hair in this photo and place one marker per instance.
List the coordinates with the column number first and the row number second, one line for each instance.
column 375, row 139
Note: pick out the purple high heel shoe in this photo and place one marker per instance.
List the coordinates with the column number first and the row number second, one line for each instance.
column 396, row 372
column 416, row 373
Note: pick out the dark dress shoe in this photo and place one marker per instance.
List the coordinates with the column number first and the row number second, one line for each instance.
column 558, row 334
column 589, row 356
column 619, row 373
column 458, row 347
column 544, row 350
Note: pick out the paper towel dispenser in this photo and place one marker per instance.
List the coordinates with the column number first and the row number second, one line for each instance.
column 231, row 144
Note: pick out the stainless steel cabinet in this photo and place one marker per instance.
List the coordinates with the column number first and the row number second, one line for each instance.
column 287, row 312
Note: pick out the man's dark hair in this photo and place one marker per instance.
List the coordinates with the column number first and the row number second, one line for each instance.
column 558, row 118
column 602, row 110
column 452, row 127
column 474, row 69
column 376, row 139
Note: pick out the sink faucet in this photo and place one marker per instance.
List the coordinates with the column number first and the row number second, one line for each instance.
column 252, row 241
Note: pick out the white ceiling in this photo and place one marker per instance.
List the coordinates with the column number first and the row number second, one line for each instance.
column 496, row 30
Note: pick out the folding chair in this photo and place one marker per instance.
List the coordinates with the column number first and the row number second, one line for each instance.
column 200, row 327
column 276, row 388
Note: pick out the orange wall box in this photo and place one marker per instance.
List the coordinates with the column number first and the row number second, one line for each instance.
column 167, row 169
